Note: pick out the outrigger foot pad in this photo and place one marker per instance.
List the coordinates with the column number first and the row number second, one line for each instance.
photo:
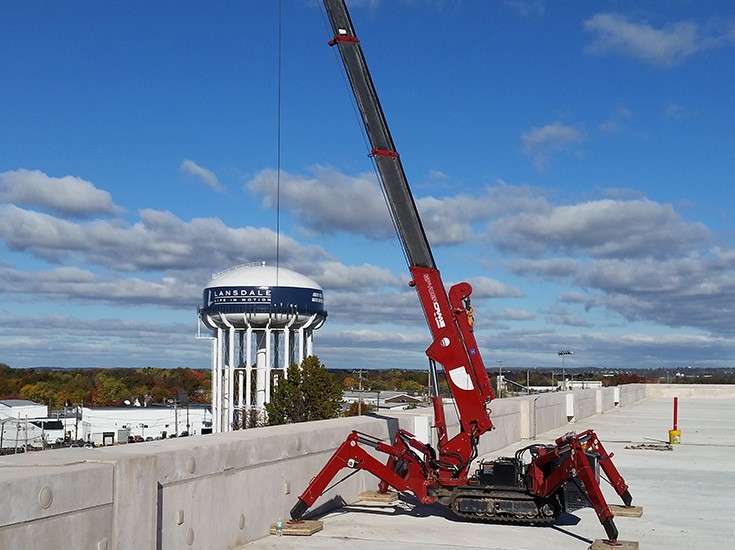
column 299, row 509
column 610, row 529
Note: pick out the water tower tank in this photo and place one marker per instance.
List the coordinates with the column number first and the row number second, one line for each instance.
column 258, row 296
column 263, row 319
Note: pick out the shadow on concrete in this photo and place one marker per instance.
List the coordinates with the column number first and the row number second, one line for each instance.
column 572, row 535
column 567, row 519
column 325, row 508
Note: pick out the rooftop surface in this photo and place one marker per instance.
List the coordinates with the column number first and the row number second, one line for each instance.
column 687, row 493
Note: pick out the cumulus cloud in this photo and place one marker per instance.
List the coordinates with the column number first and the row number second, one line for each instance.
column 397, row 307
column 69, row 195
column 527, row 8
column 541, row 143
column 693, row 291
column 158, row 241
column 560, row 315
column 102, row 342
column 328, row 201
column 604, row 228
column 674, row 111
column 336, row 275
column 207, row 177
column 664, row 47
column 514, row 314
column 76, row 285
column 390, row 338
column 485, row 287
column 615, row 124
column 633, row 259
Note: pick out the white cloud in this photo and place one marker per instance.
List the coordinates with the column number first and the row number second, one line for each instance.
column 663, row 47
column 616, row 123
column 514, row 314
column 527, row 8
column 71, row 341
column 157, row 241
column 674, row 111
column 70, row 196
column 541, row 143
column 695, row 291
column 336, row 275
column 485, row 287
column 80, row 285
column 205, row 176
column 328, row 202
column 602, row 228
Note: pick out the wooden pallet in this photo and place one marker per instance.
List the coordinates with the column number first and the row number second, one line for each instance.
column 298, row 528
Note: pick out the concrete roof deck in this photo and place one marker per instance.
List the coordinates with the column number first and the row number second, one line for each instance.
column 688, row 493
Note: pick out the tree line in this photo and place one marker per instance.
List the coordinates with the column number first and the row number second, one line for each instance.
column 103, row 387
column 113, row 387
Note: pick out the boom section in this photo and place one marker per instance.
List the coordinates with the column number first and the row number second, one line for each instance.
column 449, row 316
column 395, row 185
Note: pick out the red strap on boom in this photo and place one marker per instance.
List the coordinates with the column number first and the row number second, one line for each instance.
column 384, row 153
column 343, row 38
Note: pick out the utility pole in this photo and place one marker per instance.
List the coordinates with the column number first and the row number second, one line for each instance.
column 76, row 423
column 359, row 397
column 563, row 353
column 500, row 378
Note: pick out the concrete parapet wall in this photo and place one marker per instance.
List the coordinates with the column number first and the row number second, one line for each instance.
column 216, row 491
column 690, row 390
column 585, row 403
column 630, row 393
column 223, row 490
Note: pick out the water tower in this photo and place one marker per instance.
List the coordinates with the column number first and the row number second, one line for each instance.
column 263, row 319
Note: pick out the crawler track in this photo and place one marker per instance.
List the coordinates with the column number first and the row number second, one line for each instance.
column 511, row 507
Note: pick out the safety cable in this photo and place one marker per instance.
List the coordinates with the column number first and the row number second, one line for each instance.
column 278, row 139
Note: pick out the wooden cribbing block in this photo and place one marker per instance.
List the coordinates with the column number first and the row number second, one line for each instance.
column 299, row 528
column 600, row 544
column 377, row 496
column 626, row 511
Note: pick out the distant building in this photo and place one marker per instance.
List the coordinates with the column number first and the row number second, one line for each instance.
column 26, row 424
column 18, row 429
column 580, row 384
column 382, row 399
column 21, row 408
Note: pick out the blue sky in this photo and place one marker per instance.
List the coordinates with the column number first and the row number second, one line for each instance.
column 572, row 160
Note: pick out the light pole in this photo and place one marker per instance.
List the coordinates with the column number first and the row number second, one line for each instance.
column 563, row 353
column 499, row 382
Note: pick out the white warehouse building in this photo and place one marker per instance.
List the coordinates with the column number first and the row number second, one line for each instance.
column 26, row 424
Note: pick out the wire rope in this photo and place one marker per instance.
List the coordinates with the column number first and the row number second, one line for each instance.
column 278, row 138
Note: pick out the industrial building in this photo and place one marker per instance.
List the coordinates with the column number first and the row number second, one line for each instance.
column 28, row 425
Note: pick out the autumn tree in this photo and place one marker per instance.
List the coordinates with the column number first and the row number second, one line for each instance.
column 308, row 393
column 109, row 391
column 40, row 392
column 356, row 409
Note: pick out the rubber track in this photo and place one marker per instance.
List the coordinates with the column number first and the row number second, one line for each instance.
column 501, row 518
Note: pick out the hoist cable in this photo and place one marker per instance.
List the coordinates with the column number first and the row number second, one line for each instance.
column 278, row 139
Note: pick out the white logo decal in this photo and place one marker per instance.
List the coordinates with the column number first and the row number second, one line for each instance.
column 461, row 378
